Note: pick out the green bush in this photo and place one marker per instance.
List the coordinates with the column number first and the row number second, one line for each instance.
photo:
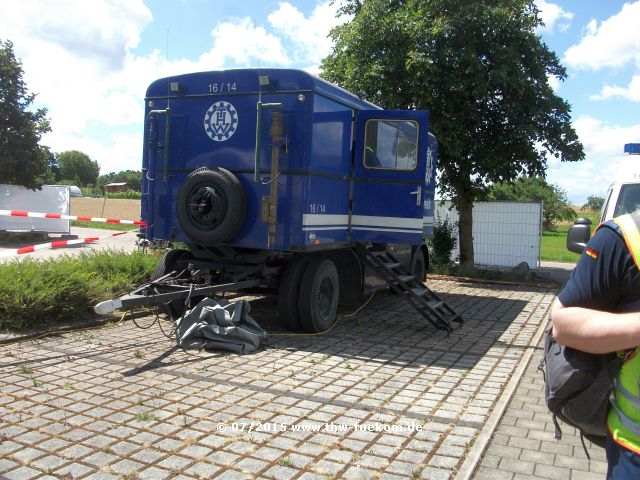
column 131, row 195
column 443, row 241
column 35, row 292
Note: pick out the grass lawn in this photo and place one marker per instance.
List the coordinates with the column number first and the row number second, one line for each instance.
column 554, row 244
column 553, row 247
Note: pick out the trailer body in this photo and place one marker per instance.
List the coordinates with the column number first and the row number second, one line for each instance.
column 279, row 181
column 329, row 193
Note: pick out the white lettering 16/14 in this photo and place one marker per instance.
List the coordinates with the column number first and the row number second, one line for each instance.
column 222, row 87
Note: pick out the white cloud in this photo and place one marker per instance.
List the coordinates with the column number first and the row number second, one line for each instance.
column 250, row 44
column 612, row 43
column 114, row 151
column 605, row 161
column 554, row 82
column 309, row 36
column 78, row 56
column 553, row 16
column 630, row 92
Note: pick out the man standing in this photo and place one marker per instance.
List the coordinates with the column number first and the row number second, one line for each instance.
column 598, row 311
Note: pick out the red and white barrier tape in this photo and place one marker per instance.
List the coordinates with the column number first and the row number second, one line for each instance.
column 56, row 244
column 80, row 218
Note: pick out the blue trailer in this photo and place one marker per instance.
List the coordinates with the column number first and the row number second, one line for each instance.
column 281, row 182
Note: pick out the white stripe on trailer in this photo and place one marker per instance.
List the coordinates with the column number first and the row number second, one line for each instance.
column 311, row 221
column 381, row 229
column 400, row 222
column 337, row 227
column 316, row 219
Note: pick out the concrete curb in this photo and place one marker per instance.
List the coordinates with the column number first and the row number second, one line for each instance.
column 474, row 456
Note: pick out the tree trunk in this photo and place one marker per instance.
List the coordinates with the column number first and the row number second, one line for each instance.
column 465, row 232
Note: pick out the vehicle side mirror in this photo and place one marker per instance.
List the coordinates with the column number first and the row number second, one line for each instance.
column 579, row 234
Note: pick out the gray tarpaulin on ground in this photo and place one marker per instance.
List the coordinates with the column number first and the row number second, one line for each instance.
column 220, row 325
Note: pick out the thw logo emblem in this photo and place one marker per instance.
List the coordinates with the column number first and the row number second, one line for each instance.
column 221, row 121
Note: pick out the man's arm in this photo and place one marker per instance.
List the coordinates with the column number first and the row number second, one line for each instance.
column 603, row 281
column 595, row 331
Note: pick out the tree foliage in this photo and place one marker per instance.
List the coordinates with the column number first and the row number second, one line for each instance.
column 594, row 203
column 132, row 177
column 23, row 161
column 536, row 189
column 481, row 70
column 76, row 167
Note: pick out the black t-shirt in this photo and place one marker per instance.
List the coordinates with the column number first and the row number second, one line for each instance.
column 606, row 277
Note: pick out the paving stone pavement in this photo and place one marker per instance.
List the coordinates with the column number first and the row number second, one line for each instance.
column 382, row 395
column 523, row 446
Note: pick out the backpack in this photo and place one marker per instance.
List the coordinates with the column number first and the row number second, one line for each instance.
column 577, row 388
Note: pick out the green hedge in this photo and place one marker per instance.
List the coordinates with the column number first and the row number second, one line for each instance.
column 37, row 292
column 131, row 195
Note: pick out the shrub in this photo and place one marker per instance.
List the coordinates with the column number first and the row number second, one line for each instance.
column 443, row 241
column 131, row 195
column 33, row 292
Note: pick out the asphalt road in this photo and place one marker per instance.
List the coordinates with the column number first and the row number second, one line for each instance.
column 124, row 242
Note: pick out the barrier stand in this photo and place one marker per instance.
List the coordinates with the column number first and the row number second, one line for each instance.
column 64, row 243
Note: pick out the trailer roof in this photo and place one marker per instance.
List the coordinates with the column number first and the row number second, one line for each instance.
column 246, row 81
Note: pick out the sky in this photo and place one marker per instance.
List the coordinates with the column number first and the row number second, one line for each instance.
column 90, row 62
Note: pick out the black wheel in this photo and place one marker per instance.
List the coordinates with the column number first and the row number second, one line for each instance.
column 288, row 292
column 170, row 261
column 211, row 206
column 418, row 266
column 319, row 293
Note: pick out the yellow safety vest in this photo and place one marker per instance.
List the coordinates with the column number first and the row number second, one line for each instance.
column 624, row 418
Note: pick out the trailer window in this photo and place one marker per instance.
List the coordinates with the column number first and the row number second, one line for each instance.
column 391, row 144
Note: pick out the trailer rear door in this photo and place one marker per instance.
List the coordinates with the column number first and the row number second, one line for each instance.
column 388, row 176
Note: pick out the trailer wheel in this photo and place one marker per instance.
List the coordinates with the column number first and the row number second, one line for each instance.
column 319, row 293
column 418, row 266
column 167, row 263
column 211, row 206
column 289, row 290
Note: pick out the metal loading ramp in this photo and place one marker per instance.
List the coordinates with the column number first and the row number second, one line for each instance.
column 424, row 300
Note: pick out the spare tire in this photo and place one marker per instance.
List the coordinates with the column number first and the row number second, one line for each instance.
column 211, row 206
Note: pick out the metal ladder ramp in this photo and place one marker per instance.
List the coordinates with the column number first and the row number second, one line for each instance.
column 425, row 301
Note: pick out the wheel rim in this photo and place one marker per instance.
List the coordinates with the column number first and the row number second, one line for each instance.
column 325, row 298
column 207, row 206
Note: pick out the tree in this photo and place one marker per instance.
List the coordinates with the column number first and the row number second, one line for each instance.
column 23, row 161
column 594, row 203
column 76, row 167
column 132, row 177
column 481, row 70
column 536, row 189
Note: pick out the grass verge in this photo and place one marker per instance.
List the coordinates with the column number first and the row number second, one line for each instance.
column 35, row 292
column 553, row 246
column 105, row 226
